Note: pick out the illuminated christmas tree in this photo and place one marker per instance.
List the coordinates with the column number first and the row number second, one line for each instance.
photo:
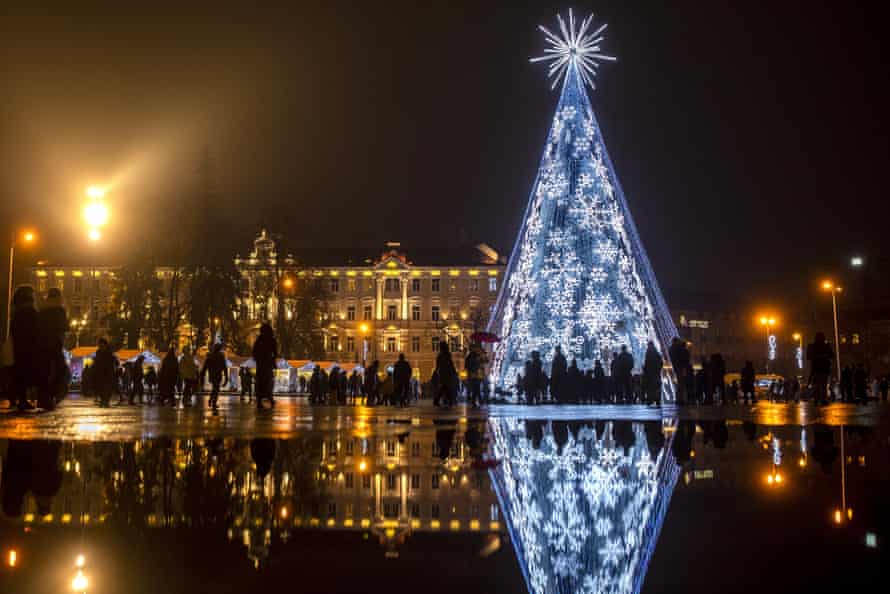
column 583, row 502
column 578, row 275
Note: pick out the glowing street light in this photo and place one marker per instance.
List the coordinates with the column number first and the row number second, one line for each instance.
column 12, row 558
column 829, row 285
column 857, row 261
column 94, row 235
column 768, row 322
column 25, row 237
column 798, row 355
column 288, row 283
column 96, row 214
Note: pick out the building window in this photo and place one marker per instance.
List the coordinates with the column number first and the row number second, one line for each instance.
column 415, row 482
column 415, row 510
column 435, row 284
column 367, row 312
column 78, row 285
column 434, row 511
column 474, row 285
column 454, row 343
column 333, row 343
column 350, row 344
column 415, row 449
column 391, row 481
column 335, row 285
column 855, row 339
column 391, row 510
column 434, row 481
column 350, row 481
column 350, row 510
column 350, row 313
column 415, row 313
column 434, row 343
column 390, row 344
column 392, row 284
column 350, row 285
column 435, row 313
column 390, row 447
column 349, row 447
column 492, row 284
column 332, row 509
column 391, row 312
column 415, row 285
column 415, row 344
column 454, row 313
column 493, row 512
column 366, row 481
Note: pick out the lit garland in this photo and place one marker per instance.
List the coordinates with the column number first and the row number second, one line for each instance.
column 578, row 276
column 584, row 517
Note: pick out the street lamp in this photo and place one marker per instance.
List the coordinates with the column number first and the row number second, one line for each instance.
column 828, row 285
column 363, row 328
column 857, row 261
column 769, row 322
column 798, row 337
column 26, row 237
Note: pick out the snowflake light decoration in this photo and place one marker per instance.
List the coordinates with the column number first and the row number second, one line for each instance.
column 574, row 47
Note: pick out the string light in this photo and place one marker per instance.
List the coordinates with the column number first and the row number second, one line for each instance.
column 578, row 276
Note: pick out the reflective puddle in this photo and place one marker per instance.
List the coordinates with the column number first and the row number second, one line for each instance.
column 503, row 505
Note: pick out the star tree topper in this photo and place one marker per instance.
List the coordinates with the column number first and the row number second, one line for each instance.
column 579, row 48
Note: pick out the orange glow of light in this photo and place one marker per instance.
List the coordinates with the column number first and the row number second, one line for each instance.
column 29, row 236
column 94, row 235
column 12, row 558
column 362, row 466
column 838, row 517
column 288, row 283
column 95, row 192
column 95, row 214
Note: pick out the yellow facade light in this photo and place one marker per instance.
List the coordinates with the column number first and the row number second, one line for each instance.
column 492, row 273
column 41, row 273
column 474, row 273
column 435, row 524
column 77, row 273
column 454, row 524
column 365, row 522
column 351, row 273
column 474, row 524
column 367, row 273
column 334, row 273
column 454, row 273
column 435, row 273
column 59, row 273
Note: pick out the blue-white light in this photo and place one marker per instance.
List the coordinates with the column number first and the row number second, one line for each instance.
column 578, row 276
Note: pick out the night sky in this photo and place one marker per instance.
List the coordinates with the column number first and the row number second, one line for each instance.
column 750, row 137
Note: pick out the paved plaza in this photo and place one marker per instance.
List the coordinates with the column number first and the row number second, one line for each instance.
column 81, row 418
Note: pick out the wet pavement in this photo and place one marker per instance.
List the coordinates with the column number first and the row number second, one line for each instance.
column 81, row 418
column 575, row 499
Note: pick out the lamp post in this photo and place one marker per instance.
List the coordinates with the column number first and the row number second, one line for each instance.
column 769, row 322
column 95, row 215
column 27, row 238
column 799, row 355
column 828, row 285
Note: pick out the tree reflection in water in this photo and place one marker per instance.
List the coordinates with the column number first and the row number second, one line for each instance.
column 584, row 500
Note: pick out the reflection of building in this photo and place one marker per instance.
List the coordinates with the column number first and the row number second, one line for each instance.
column 389, row 485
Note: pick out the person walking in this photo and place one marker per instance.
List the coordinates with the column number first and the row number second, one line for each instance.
column 52, row 324
column 334, row 384
column 884, row 388
column 681, row 363
column 748, row 377
column 820, row 355
column 265, row 353
column 860, row 384
column 168, row 377
column 574, row 384
column 846, row 384
column 104, row 372
column 599, row 382
column 447, row 374
column 653, row 363
column 188, row 371
column 558, row 371
column 624, row 374
column 401, row 375
column 702, row 382
column 246, row 383
column 215, row 371
column 473, row 368
column 137, row 374
column 24, row 331
column 372, row 383
column 315, row 391
column 355, row 386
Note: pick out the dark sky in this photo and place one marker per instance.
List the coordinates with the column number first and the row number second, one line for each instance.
column 751, row 138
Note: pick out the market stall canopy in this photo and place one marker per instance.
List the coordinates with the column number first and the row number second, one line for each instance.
column 150, row 357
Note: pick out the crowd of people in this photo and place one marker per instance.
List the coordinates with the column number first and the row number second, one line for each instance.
column 36, row 372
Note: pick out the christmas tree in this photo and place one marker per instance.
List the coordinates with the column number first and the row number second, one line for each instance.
column 583, row 502
column 578, row 275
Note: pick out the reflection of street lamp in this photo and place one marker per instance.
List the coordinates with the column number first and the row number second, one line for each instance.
column 26, row 237
column 828, row 285
column 769, row 322
column 844, row 510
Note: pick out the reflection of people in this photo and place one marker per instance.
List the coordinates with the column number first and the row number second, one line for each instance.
column 31, row 465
